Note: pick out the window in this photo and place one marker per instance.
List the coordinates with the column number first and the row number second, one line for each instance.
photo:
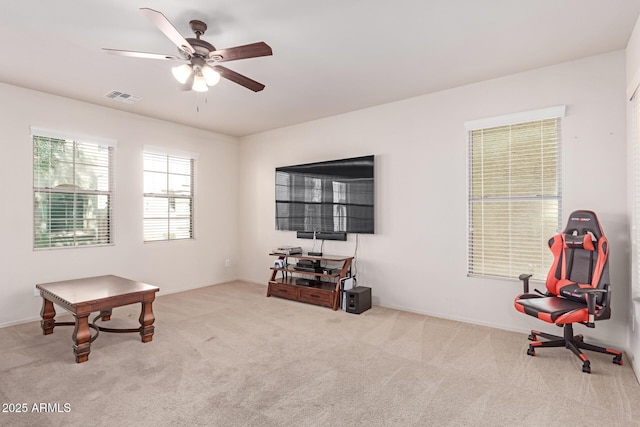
column 72, row 191
column 515, row 196
column 168, row 196
column 635, row 233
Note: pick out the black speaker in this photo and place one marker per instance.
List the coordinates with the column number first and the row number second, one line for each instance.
column 358, row 299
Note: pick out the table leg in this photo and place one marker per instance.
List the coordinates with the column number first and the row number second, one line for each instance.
column 105, row 315
column 81, row 338
column 146, row 321
column 47, row 313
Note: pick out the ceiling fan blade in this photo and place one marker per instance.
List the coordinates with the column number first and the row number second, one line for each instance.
column 242, row 52
column 168, row 29
column 139, row 54
column 238, row 78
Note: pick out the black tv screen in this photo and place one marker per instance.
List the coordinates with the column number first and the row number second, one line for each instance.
column 332, row 197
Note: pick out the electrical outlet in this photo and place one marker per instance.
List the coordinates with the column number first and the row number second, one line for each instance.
column 227, row 262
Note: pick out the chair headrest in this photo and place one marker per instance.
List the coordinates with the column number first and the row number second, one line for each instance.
column 582, row 223
column 579, row 241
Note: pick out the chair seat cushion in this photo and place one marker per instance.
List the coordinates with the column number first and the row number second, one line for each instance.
column 552, row 309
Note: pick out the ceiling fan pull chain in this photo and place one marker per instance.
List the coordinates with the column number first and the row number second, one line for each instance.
column 199, row 96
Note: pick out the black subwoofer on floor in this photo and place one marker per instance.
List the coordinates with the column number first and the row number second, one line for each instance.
column 358, row 299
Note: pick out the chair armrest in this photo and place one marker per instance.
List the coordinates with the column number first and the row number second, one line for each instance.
column 591, row 302
column 525, row 281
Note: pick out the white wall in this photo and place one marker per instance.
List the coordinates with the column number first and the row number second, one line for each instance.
column 417, row 258
column 173, row 266
column 633, row 80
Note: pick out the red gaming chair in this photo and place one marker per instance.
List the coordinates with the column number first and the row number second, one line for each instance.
column 578, row 288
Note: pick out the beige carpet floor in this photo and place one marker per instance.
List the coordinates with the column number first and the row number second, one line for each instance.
column 226, row 355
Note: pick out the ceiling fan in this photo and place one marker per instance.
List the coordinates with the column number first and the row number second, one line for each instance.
column 201, row 69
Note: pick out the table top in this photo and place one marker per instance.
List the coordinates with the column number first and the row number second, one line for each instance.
column 90, row 289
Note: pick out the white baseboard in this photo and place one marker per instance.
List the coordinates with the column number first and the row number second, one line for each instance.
column 160, row 293
column 20, row 322
column 457, row 319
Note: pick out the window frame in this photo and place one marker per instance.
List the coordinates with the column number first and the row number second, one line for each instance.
column 510, row 121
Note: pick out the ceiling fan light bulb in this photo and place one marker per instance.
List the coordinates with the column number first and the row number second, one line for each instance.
column 210, row 75
column 182, row 72
column 200, row 84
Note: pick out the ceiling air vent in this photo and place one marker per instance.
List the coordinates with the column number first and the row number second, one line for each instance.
column 122, row 97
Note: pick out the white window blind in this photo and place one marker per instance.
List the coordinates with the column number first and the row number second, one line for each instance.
column 72, row 191
column 515, row 195
column 168, row 196
column 635, row 233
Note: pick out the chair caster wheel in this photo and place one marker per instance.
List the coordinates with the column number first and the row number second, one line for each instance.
column 531, row 351
column 532, row 337
column 618, row 360
column 579, row 338
column 586, row 368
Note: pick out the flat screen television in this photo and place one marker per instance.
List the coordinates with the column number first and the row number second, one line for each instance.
column 333, row 196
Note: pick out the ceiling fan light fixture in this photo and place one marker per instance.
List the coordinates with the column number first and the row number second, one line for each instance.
column 182, row 72
column 211, row 76
column 200, row 84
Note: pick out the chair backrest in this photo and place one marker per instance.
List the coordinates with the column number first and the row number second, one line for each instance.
column 581, row 258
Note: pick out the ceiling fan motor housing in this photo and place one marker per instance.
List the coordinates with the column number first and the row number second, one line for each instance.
column 201, row 47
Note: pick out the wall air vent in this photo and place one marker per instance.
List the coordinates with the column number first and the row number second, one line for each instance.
column 122, row 97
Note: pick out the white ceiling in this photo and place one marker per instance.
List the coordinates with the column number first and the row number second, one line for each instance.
column 329, row 56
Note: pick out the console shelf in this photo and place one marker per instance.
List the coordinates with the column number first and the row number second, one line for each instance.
column 310, row 287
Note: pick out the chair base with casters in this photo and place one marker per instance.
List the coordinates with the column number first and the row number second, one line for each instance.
column 573, row 343
column 578, row 289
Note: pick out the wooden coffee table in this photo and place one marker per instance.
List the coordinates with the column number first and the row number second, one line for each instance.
column 81, row 297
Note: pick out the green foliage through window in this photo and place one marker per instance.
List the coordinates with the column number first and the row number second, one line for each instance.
column 72, row 193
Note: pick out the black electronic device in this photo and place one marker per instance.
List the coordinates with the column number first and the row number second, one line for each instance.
column 326, row 200
column 308, row 269
column 301, row 281
column 322, row 235
column 358, row 299
column 308, row 263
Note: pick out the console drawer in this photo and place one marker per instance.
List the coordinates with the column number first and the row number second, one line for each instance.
column 282, row 291
column 316, row 296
